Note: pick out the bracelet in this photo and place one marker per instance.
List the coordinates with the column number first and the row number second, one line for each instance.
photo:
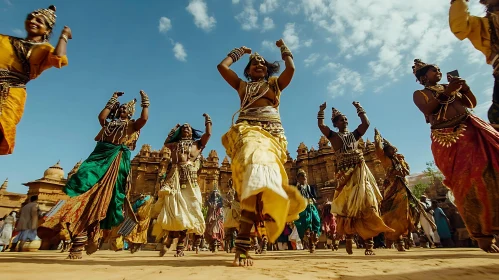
column 236, row 54
column 145, row 101
column 320, row 115
column 360, row 110
column 285, row 52
column 111, row 102
column 64, row 37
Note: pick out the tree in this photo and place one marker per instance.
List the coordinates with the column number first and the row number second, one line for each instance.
column 419, row 189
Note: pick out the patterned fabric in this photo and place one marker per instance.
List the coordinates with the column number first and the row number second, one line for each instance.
column 139, row 233
column 39, row 58
column 97, row 193
column 309, row 219
column 179, row 205
column 471, row 170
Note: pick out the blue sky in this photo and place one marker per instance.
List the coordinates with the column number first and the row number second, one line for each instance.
column 344, row 51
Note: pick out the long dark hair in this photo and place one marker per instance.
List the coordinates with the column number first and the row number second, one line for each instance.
column 272, row 68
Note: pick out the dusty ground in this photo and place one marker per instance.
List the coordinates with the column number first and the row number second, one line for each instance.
column 386, row 265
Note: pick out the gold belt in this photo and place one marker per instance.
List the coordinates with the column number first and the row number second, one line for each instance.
column 9, row 79
column 349, row 159
column 448, row 136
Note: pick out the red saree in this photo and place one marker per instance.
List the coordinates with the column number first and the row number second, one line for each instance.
column 468, row 157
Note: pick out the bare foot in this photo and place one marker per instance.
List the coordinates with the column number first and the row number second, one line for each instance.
column 369, row 252
column 349, row 246
column 91, row 248
column 74, row 256
column 180, row 253
column 242, row 259
column 488, row 245
column 163, row 250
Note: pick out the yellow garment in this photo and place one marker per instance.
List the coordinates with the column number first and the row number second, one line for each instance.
column 139, row 233
column 258, row 159
column 355, row 204
column 232, row 215
column 179, row 206
column 40, row 59
column 476, row 29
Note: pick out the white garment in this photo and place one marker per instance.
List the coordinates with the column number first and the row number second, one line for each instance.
column 179, row 206
column 7, row 229
column 430, row 234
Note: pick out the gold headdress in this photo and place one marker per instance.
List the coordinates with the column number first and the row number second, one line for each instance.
column 336, row 113
column 257, row 57
column 130, row 107
column 387, row 144
column 48, row 15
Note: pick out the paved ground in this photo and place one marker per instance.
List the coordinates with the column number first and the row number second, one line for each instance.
column 386, row 265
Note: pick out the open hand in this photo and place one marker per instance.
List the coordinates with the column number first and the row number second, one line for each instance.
column 323, row 106
column 246, row 50
column 279, row 43
column 67, row 31
column 356, row 104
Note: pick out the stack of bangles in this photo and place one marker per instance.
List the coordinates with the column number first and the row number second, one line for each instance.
column 360, row 111
column 285, row 52
column 208, row 121
column 320, row 115
column 145, row 101
column 64, row 37
column 111, row 102
column 236, row 54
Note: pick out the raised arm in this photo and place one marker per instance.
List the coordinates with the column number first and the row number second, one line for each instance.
column 224, row 67
column 207, row 133
column 144, row 115
column 320, row 121
column 109, row 106
column 364, row 121
column 170, row 135
column 462, row 24
column 61, row 48
column 286, row 75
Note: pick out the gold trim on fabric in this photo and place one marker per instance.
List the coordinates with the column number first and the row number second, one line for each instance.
column 448, row 136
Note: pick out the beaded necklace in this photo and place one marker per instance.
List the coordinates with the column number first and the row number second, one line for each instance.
column 348, row 140
column 115, row 127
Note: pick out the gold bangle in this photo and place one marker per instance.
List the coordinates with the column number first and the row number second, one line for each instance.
column 64, row 37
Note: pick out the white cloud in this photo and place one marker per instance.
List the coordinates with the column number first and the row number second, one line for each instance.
column 311, row 59
column 290, row 37
column 308, row 43
column 390, row 33
column 268, row 6
column 179, row 52
column 268, row 24
column 269, row 45
column 235, row 1
column 248, row 17
column 345, row 78
column 18, row 32
column 199, row 10
column 292, row 8
column 165, row 24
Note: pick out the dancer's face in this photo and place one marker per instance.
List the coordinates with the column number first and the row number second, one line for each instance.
column 35, row 25
column 186, row 132
column 433, row 75
column 258, row 68
column 122, row 113
column 341, row 122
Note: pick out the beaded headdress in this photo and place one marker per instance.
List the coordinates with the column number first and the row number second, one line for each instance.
column 130, row 107
column 257, row 57
column 336, row 113
column 47, row 14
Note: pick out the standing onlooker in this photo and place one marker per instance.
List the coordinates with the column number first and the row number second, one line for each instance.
column 28, row 222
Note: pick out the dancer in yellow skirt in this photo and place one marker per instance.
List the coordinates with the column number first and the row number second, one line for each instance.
column 22, row 60
column 357, row 196
column 257, row 146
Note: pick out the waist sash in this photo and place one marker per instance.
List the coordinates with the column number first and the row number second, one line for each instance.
column 10, row 79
